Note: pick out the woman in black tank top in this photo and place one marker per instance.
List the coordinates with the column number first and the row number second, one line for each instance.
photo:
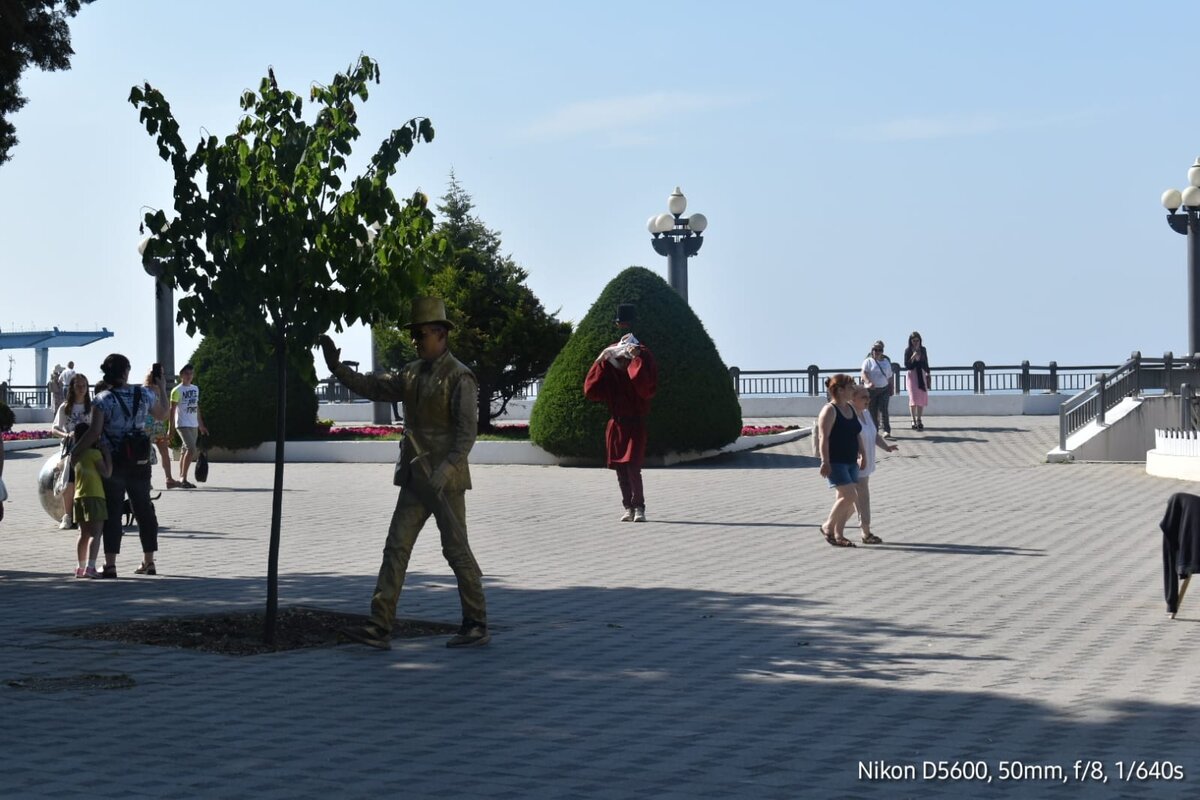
column 842, row 454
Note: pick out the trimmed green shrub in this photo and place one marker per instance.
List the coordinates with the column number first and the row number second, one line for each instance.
column 7, row 417
column 237, row 396
column 696, row 407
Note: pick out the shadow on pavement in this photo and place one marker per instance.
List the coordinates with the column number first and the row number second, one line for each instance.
column 972, row 429
column 754, row 459
column 711, row 693
column 935, row 439
column 961, row 549
column 707, row 523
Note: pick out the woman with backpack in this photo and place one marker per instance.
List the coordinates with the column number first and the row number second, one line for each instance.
column 119, row 414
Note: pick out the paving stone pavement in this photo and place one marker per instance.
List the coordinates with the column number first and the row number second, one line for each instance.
column 1014, row 617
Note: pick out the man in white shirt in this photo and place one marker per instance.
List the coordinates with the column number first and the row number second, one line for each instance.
column 185, row 416
column 65, row 378
column 877, row 376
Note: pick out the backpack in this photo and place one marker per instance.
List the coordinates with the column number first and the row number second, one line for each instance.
column 134, row 448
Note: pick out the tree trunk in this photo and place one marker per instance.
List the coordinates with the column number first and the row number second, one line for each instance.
column 277, row 496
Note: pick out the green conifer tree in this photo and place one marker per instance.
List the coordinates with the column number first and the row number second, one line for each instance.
column 501, row 330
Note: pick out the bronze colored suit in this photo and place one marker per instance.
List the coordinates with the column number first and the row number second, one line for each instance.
column 440, row 420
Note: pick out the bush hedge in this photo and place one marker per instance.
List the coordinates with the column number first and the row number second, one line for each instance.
column 237, row 396
column 696, row 407
column 7, row 417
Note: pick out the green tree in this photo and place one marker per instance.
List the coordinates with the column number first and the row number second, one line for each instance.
column 501, row 330
column 32, row 32
column 270, row 247
column 695, row 408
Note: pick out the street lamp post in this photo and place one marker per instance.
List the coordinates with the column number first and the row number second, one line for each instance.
column 381, row 412
column 1187, row 222
column 677, row 237
column 164, row 314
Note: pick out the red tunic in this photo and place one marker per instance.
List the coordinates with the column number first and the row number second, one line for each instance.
column 628, row 397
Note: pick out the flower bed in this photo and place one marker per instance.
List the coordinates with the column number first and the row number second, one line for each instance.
column 360, row 432
column 391, row 432
column 764, row 430
column 26, row 436
column 507, row 433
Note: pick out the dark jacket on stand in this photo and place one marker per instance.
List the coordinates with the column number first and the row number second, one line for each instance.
column 1181, row 543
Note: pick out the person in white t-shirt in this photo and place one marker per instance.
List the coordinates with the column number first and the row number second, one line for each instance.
column 76, row 408
column 186, row 418
column 66, row 377
column 872, row 439
column 877, row 371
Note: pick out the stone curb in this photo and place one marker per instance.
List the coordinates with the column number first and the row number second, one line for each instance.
column 525, row 453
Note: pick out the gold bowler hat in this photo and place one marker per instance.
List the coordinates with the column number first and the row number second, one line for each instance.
column 428, row 310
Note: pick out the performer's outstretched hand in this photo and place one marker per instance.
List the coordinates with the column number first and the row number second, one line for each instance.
column 333, row 355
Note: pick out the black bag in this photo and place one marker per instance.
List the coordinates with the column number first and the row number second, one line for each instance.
column 202, row 464
column 133, row 450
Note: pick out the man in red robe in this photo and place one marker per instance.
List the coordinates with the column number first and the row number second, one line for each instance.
column 625, row 377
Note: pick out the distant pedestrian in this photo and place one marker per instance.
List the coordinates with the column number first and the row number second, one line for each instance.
column 877, row 373
column 625, row 376
column 843, row 454
column 91, row 509
column 916, row 361
column 4, row 428
column 75, row 409
column 188, row 421
column 159, row 431
column 67, row 376
column 871, row 439
column 55, row 387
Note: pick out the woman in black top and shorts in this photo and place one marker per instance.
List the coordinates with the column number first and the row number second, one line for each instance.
column 842, row 455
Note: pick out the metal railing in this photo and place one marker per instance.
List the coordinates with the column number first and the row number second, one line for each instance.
column 978, row 378
column 1137, row 376
column 331, row 390
column 25, row 396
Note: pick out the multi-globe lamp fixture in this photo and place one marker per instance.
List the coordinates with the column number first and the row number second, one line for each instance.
column 677, row 237
column 1184, row 217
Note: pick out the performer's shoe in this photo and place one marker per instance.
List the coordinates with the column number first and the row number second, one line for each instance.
column 639, row 514
column 471, row 634
column 365, row 634
column 627, row 516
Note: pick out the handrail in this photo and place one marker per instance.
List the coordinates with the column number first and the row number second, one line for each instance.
column 1097, row 393
column 1133, row 378
column 978, row 378
column 328, row 390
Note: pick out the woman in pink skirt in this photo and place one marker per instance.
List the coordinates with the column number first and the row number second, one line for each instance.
column 916, row 361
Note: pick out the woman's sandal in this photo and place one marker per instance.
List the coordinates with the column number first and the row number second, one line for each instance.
column 870, row 538
column 835, row 540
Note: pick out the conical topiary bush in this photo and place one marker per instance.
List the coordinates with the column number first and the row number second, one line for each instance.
column 238, row 396
column 695, row 408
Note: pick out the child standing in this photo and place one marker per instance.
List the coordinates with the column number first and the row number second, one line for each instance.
column 91, row 508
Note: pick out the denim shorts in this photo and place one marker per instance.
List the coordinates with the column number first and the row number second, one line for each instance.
column 842, row 474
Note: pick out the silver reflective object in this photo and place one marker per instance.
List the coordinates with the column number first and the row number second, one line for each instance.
column 45, row 483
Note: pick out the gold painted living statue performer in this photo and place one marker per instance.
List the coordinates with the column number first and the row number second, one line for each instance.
column 440, row 419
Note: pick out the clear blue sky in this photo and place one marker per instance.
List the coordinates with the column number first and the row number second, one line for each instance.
column 986, row 173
